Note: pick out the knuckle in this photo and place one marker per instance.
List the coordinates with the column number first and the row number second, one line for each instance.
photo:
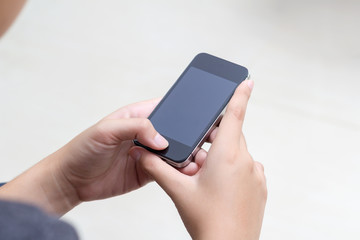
column 144, row 124
column 260, row 177
column 124, row 112
column 259, row 166
column 247, row 162
column 102, row 131
column 101, row 127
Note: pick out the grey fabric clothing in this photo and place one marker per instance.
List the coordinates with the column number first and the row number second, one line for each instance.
column 24, row 222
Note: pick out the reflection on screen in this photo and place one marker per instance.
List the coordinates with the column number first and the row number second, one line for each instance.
column 191, row 105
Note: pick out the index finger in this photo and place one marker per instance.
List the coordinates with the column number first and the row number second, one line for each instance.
column 135, row 110
column 230, row 128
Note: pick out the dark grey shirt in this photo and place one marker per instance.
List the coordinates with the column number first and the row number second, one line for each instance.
column 24, row 222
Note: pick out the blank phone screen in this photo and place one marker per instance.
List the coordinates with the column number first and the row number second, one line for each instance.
column 191, row 106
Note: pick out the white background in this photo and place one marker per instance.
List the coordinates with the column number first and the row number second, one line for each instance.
column 66, row 64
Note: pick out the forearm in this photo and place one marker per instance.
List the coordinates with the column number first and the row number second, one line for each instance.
column 43, row 185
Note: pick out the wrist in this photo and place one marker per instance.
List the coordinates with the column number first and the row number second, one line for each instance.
column 60, row 193
column 219, row 232
column 44, row 186
column 229, row 234
column 218, row 226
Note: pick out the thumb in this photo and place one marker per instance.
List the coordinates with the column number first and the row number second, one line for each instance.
column 170, row 179
column 113, row 131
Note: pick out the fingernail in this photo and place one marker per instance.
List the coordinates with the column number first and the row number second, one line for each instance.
column 136, row 155
column 250, row 84
column 160, row 141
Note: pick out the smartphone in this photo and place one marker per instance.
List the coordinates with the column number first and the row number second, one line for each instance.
column 193, row 105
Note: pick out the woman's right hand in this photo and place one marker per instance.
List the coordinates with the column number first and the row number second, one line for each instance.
column 226, row 197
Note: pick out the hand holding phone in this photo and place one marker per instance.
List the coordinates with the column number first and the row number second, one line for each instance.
column 226, row 198
column 193, row 105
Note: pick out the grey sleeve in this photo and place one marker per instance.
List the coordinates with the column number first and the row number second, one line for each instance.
column 19, row 221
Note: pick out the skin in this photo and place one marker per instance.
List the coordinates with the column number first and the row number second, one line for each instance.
column 226, row 198
column 94, row 165
column 221, row 195
column 9, row 9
